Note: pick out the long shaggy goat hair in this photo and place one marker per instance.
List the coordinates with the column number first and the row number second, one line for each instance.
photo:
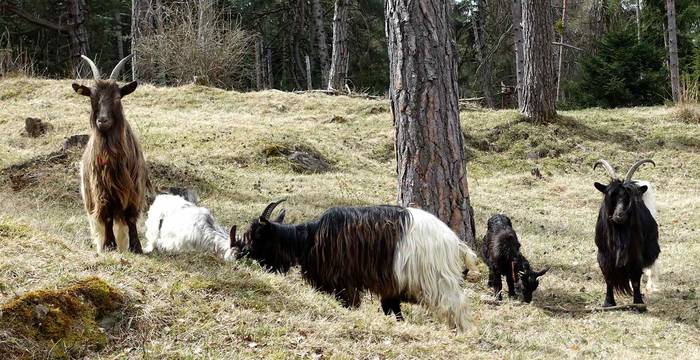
column 175, row 225
column 400, row 254
column 113, row 171
column 626, row 234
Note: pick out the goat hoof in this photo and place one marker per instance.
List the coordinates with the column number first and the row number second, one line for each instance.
column 608, row 304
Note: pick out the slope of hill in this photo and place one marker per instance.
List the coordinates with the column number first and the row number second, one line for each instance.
column 236, row 150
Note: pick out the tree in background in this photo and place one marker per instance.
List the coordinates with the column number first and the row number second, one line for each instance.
column 539, row 93
column 339, row 61
column 623, row 72
column 425, row 106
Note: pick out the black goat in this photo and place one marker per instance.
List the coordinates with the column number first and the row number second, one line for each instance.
column 501, row 251
column 626, row 234
column 400, row 254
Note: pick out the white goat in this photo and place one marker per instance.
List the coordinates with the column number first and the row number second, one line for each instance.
column 175, row 225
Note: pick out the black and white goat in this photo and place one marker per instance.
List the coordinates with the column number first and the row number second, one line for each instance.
column 501, row 251
column 175, row 225
column 626, row 233
column 400, row 254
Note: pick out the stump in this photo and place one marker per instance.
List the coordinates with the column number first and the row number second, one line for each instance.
column 35, row 127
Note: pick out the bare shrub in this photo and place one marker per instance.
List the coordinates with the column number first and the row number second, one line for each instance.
column 193, row 42
column 14, row 62
column 688, row 107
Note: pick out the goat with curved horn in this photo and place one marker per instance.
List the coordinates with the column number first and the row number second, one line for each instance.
column 608, row 168
column 118, row 69
column 265, row 216
column 636, row 166
column 95, row 70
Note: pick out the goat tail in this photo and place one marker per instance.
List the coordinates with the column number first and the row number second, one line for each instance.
column 428, row 265
column 469, row 257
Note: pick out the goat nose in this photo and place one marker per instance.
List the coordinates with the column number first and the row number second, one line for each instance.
column 101, row 119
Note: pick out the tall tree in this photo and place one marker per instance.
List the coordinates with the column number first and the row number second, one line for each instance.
column 561, row 47
column 516, row 15
column 341, row 53
column 425, row 107
column 321, row 44
column 673, row 50
column 78, row 35
column 539, row 95
column 484, row 61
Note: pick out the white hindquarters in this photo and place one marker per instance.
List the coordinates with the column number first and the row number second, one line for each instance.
column 428, row 264
column 175, row 225
column 649, row 198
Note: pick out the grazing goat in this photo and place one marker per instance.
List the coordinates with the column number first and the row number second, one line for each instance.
column 401, row 254
column 113, row 171
column 626, row 232
column 175, row 225
column 501, row 251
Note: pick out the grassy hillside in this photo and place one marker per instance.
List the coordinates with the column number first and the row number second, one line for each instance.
column 231, row 147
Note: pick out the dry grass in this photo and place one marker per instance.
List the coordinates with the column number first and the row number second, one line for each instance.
column 195, row 306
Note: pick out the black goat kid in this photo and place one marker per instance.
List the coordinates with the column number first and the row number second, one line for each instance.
column 626, row 233
column 501, row 251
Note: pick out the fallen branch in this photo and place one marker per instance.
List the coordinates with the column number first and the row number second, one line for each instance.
column 567, row 45
column 337, row 93
column 642, row 307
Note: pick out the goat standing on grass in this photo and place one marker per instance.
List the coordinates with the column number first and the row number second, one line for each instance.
column 175, row 225
column 400, row 254
column 627, row 235
column 113, row 171
column 501, row 251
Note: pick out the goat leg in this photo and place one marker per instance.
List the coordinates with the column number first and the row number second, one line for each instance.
column 110, row 241
column 511, row 284
column 392, row 305
column 637, row 293
column 134, row 243
column 609, row 297
column 497, row 285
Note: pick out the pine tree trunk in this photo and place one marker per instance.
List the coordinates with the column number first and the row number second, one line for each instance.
column 673, row 50
column 79, row 37
column 339, row 61
column 484, row 62
column 140, row 26
column 539, row 94
column 516, row 13
column 425, row 107
column 638, row 18
column 561, row 49
column 321, row 44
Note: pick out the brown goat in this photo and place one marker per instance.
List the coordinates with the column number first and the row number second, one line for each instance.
column 113, row 171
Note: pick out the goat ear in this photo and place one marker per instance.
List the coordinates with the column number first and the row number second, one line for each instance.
column 602, row 188
column 540, row 273
column 128, row 88
column 233, row 236
column 280, row 217
column 643, row 189
column 82, row 89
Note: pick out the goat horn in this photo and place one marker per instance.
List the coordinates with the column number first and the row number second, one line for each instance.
column 636, row 166
column 269, row 209
column 118, row 68
column 95, row 71
column 611, row 172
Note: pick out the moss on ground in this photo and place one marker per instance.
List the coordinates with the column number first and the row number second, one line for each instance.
column 62, row 323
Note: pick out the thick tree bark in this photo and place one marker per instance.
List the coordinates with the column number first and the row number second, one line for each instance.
column 425, row 107
column 516, row 13
column 484, row 62
column 78, row 36
column 561, row 48
column 539, row 96
column 338, row 71
column 140, row 26
column 673, row 50
column 321, row 44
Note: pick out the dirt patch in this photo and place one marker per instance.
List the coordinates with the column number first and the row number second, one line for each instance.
column 55, row 171
column 302, row 158
column 164, row 176
column 65, row 323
